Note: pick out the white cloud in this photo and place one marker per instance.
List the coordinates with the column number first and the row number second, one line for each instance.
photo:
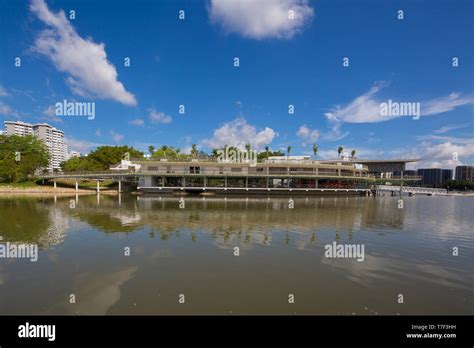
column 81, row 146
column 362, row 109
column 456, row 140
column 137, row 122
column 445, row 104
column 451, row 127
column 158, row 117
column 239, row 133
column 366, row 107
column 85, row 62
column 435, row 154
column 261, row 19
column 442, row 155
column 7, row 110
column 49, row 114
column 307, row 134
column 3, row 91
column 116, row 136
column 362, row 153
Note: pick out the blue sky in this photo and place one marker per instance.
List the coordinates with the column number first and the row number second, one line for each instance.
column 283, row 61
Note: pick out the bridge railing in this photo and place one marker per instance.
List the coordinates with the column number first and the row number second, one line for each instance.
column 411, row 189
column 85, row 173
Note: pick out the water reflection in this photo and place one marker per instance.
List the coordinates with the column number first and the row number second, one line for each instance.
column 248, row 219
column 190, row 250
column 26, row 220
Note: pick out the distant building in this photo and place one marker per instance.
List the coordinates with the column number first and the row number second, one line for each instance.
column 446, row 174
column 288, row 159
column 465, row 173
column 434, row 177
column 18, row 128
column 126, row 165
column 52, row 137
column 379, row 168
column 409, row 173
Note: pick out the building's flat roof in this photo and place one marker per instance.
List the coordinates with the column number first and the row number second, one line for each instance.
column 358, row 160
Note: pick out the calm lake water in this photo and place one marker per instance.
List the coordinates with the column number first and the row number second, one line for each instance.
column 190, row 251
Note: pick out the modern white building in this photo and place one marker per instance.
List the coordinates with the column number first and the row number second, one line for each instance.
column 52, row 137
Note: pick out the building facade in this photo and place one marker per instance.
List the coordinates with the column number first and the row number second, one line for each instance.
column 465, row 173
column 446, row 174
column 52, row 137
column 434, row 177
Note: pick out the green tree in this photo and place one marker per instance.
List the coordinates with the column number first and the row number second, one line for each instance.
column 315, row 150
column 288, row 150
column 265, row 155
column 353, row 153
column 194, row 150
column 461, row 185
column 339, row 151
column 168, row 152
column 21, row 157
column 101, row 158
column 214, row 153
column 151, row 149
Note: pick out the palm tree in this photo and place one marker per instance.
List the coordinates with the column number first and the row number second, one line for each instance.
column 164, row 148
column 194, row 150
column 247, row 147
column 315, row 150
column 339, row 151
column 151, row 149
column 267, row 149
column 288, row 150
column 353, row 153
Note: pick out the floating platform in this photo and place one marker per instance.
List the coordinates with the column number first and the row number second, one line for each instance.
column 207, row 191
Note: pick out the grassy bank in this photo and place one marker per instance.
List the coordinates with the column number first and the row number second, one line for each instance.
column 62, row 186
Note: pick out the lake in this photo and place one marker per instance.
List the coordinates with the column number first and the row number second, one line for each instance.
column 236, row 255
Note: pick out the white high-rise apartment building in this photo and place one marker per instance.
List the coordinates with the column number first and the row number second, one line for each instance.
column 52, row 137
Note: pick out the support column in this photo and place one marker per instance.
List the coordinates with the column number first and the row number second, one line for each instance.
column 77, row 186
column 267, row 182
column 162, row 181
column 316, row 183
column 225, row 182
column 401, row 183
column 184, row 181
column 120, row 185
column 246, row 182
column 205, row 181
column 98, row 187
column 54, row 183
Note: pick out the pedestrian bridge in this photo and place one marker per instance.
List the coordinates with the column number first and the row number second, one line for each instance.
column 411, row 190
